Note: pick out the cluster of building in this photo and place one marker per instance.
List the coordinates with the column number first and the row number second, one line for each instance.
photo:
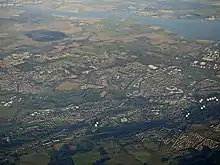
column 17, row 3
column 204, row 65
column 207, row 101
column 164, row 97
column 211, row 54
column 9, row 5
column 171, row 139
column 194, row 140
column 8, row 103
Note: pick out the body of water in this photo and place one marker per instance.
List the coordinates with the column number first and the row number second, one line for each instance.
column 4, row 2
column 193, row 29
column 128, row 129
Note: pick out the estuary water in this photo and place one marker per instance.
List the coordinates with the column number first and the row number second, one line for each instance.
column 192, row 29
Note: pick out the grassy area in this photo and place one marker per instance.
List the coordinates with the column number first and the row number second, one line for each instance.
column 35, row 159
column 86, row 158
column 114, row 95
column 152, row 145
column 7, row 112
column 195, row 74
column 139, row 152
column 134, row 153
column 122, row 158
column 128, row 152
column 26, row 66
column 6, row 126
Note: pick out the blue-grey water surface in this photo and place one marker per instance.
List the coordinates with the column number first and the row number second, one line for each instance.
column 193, row 29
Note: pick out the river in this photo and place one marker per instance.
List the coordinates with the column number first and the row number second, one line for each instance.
column 192, row 29
column 129, row 129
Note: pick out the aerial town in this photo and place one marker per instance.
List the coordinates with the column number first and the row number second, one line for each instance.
column 79, row 85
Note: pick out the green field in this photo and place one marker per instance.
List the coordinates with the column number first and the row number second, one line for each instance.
column 86, row 158
column 129, row 154
column 35, row 159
